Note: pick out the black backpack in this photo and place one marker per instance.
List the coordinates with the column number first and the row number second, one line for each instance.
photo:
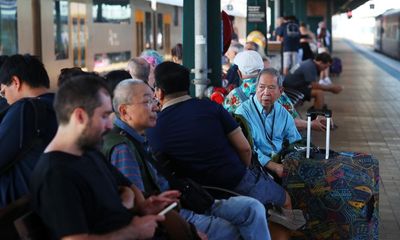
column 40, row 109
column 292, row 30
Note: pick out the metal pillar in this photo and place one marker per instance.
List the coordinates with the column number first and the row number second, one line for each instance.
column 214, row 42
column 200, row 48
column 277, row 9
column 187, row 38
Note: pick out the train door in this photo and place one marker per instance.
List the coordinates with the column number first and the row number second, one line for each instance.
column 78, row 33
column 139, row 21
column 167, row 33
column 378, row 34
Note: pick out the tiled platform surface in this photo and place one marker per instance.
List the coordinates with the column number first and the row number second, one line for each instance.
column 368, row 115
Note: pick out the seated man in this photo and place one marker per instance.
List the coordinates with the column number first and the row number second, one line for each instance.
column 26, row 126
column 127, row 149
column 74, row 190
column 304, row 78
column 205, row 142
column 250, row 64
column 269, row 122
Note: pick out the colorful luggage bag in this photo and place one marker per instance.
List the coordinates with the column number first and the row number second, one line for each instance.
column 338, row 192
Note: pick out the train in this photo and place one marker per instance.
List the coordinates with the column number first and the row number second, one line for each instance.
column 97, row 35
column 387, row 33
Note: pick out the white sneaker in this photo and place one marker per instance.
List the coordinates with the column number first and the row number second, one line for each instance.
column 292, row 219
column 325, row 81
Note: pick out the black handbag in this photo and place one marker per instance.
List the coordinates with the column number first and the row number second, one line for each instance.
column 194, row 197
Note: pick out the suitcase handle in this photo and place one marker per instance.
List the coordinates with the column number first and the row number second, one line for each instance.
column 328, row 115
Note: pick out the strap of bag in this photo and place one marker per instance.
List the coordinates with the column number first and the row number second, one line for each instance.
column 39, row 111
column 146, row 157
column 241, row 94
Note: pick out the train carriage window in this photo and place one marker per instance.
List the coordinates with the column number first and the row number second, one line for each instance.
column 148, row 30
column 61, row 29
column 106, row 11
column 105, row 62
column 176, row 16
column 160, row 32
column 8, row 27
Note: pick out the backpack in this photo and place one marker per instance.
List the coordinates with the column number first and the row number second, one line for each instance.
column 40, row 113
column 292, row 30
column 336, row 66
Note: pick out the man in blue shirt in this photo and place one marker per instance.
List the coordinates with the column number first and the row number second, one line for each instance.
column 126, row 146
column 269, row 122
column 205, row 142
column 23, row 78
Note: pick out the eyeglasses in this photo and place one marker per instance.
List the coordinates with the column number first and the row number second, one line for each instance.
column 149, row 103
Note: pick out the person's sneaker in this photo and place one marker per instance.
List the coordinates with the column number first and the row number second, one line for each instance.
column 292, row 219
column 325, row 81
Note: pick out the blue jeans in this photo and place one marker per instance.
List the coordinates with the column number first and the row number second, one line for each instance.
column 257, row 184
column 234, row 218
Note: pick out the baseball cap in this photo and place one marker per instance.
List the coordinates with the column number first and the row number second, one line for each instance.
column 249, row 62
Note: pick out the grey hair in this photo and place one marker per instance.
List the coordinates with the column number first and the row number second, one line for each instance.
column 236, row 47
column 124, row 93
column 139, row 68
column 273, row 72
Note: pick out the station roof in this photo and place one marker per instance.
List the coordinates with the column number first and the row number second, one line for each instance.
column 341, row 6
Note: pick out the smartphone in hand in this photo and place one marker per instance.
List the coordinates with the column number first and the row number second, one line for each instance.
column 167, row 209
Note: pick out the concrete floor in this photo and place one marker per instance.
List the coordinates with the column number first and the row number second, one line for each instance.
column 368, row 115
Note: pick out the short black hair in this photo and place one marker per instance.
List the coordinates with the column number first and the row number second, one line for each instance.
column 324, row 57
column 116, row 76
column 172, row 77
column 177, row 51
column 27, row 68
column 80, row 91
column 67, row 73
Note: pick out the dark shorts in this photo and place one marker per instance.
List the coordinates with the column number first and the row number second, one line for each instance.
column 306, row 90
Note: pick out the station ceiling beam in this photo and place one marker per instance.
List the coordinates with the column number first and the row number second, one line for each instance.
column 341, row 6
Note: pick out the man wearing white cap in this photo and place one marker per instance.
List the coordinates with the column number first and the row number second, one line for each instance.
column 250, row 64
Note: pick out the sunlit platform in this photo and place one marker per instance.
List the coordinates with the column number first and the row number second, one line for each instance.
column 368, row 115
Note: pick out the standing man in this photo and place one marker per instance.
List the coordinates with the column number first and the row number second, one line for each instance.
column 74, row 190
column 289, row 35
column 27, row 126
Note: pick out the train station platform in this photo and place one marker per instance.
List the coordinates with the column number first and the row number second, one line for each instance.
column 367, row 113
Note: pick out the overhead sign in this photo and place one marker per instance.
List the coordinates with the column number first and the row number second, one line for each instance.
column 255, row 14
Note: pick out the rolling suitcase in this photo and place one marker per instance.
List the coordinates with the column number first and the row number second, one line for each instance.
column 337, row 191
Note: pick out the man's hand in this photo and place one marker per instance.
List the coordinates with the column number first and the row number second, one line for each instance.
column 202, row 235
column 334, row 88
column 145, row 227
column 155, row 204
column 319, row 124
column 275, row 167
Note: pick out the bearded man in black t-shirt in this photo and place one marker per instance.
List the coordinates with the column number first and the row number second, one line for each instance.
column 75, row 192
